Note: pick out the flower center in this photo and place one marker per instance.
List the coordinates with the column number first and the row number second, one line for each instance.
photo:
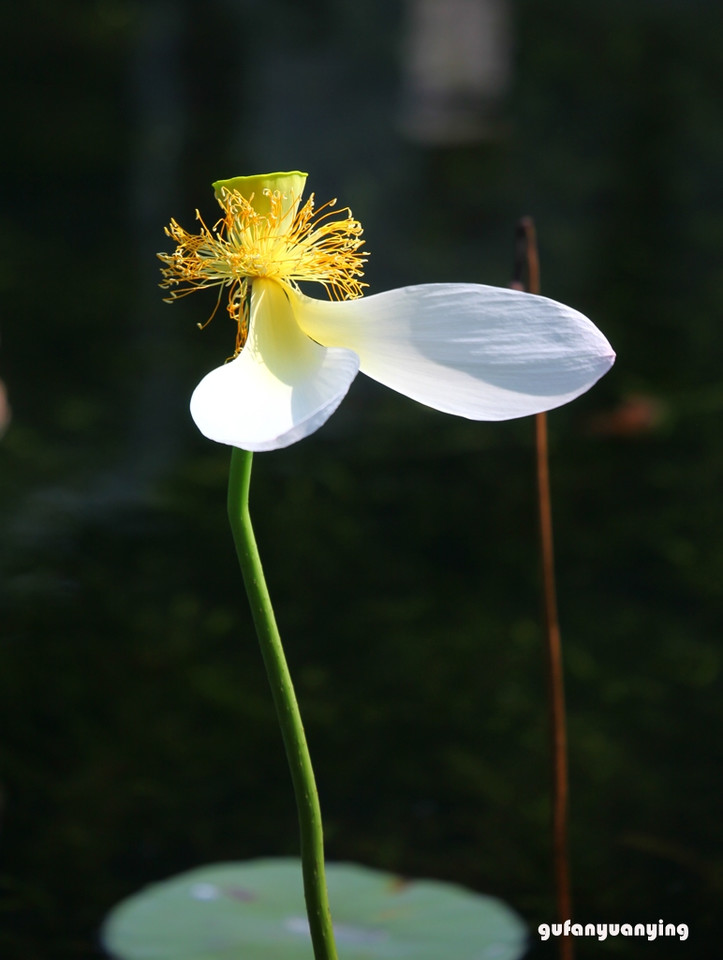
column 284, row 244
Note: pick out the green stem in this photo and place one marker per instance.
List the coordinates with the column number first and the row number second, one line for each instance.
column 287, row 709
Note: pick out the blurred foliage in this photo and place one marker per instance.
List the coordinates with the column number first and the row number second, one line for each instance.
column 137, row 736
column 255, row 908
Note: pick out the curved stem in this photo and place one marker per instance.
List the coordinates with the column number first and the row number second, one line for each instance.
column 287, row 708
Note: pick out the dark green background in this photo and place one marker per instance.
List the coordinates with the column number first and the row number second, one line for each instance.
column 136, row 731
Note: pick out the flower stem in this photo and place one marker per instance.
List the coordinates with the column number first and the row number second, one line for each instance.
column 287, row 708
column 527, row 262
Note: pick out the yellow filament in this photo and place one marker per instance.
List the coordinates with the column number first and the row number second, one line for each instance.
column 286, row 245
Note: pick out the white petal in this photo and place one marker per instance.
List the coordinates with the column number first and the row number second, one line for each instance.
column 486, row 353
column 280, row 388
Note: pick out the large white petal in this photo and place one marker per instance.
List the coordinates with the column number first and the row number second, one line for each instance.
column 280, row 388
column 486, row 353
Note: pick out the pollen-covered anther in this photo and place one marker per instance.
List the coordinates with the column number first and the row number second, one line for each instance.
column 285, row 244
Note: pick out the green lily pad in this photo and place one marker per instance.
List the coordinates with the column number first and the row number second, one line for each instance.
column 255, row 911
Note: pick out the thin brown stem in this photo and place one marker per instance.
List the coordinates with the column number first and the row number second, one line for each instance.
column 527, row 276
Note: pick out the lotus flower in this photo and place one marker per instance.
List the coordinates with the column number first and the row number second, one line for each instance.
column 485, row 353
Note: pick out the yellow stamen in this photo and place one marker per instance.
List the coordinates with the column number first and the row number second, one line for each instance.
column 283, row 245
